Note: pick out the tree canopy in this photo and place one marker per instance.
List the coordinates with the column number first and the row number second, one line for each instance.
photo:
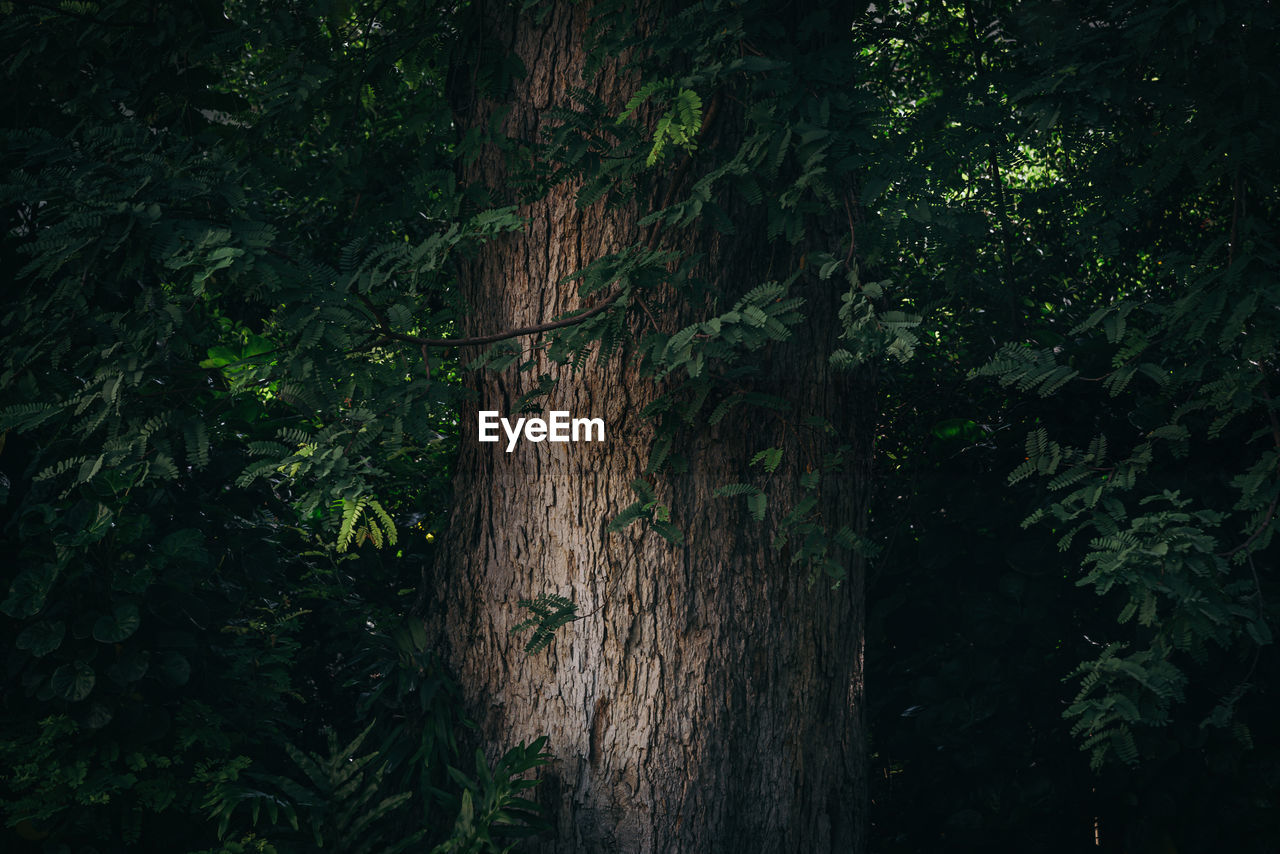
column 235, row 352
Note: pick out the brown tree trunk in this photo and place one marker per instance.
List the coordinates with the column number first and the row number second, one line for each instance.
column 710, row 699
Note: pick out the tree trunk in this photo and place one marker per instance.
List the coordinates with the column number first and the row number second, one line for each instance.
column 711, row 697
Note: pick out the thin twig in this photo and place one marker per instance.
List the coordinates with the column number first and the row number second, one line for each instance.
column 502, row 336
column 645, row 308
column 853, row 237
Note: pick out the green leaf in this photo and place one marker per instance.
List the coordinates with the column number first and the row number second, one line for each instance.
column 131, row 666
column 771, row 457
column 42, row 638
column 958, row 428
column 174, row 669
column 669, row 532
column 220, row 356
column 122, row 623
column 73, row 682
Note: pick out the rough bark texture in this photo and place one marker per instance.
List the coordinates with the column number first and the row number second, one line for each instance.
column 710, row 698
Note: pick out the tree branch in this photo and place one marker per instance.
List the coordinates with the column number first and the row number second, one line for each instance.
column 502, row 336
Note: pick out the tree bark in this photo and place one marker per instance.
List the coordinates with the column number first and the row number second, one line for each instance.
column 710, row 699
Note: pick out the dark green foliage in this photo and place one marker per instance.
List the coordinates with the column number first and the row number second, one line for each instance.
column 546, row 614
column 1186, row 347
column 1095, row 226
column 339, row 797
column 204, row 426
column 493, row 814
column 1047, row 228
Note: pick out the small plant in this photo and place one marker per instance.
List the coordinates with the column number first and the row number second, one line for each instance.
column 547, row 613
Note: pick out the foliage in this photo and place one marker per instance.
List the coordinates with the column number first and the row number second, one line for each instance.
column 1188, row 346
column 1047, row 231
column 546, row 614
column 491, row 808
column 679, row 126
column 1078, row 232
column 341, row 803
column 204, row 426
